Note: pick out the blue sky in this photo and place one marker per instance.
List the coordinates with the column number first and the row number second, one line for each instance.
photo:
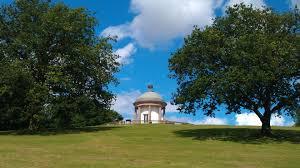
column 149, row 32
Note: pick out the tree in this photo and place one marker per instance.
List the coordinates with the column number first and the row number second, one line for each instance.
column 15, row 84
column 297, row 117
column 246, row 60
column 67, row 66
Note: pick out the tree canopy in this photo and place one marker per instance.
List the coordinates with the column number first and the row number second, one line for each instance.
column 54, row 69
column 247, row 60
column 297, row 117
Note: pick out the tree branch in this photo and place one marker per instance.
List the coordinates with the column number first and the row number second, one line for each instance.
column 253, row 107
column 277, row 107
column 258, row 113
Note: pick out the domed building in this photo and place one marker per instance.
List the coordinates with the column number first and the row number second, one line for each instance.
column 149, row 108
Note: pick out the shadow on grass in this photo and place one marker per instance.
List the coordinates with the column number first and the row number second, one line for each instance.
column 241, row 135
column 48, row 132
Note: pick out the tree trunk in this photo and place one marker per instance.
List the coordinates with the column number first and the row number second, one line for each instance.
column 266, row 126
column 266, row 129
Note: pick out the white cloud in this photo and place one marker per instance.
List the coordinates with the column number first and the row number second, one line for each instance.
column 159, row 22
column 247, row 119
column 252, row 119
column 290, row 123
column 256, row 3
column 124, row 102
column 120, row 31
column 171, row 108
column 211, row 121
column 125, row 53
column 179, row 119
column 278, row 121
column 293, row 3
column 205, row 121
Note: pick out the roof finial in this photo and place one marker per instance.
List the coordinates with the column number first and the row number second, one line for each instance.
column 150, row 88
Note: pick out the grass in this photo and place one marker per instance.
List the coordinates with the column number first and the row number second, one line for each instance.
column 152, row 146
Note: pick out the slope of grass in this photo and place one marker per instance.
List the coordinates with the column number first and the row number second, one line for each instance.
column 152, row 146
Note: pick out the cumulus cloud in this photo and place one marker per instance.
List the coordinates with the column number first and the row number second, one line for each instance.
column 252, row 119
column 159, row 22
column 124, row 102
column 293, row 3
column 256, row 3
column 125, row 53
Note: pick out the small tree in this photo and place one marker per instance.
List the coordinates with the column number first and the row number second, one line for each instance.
column 246, row 60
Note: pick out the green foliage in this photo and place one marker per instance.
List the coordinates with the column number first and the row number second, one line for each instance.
column 248, row 59
column 21, row 100
column 55, row 70
column 297, row 117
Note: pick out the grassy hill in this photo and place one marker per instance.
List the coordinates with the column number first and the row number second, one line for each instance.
column 152, row 146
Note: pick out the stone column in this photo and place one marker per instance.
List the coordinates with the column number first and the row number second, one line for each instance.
column 159, row 114
column 134, row 115
column 139, row 115
column 149, row 114
column 164, row 111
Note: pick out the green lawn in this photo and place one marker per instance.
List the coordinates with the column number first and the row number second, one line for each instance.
column 152, row 146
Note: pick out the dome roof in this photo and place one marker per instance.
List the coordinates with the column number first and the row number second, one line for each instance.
column 150, row 95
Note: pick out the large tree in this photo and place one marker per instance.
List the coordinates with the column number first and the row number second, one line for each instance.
column 65, row 66
column 247, row 60
column 297, row 117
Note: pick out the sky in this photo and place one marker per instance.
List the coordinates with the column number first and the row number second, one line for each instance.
column 149, row 31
